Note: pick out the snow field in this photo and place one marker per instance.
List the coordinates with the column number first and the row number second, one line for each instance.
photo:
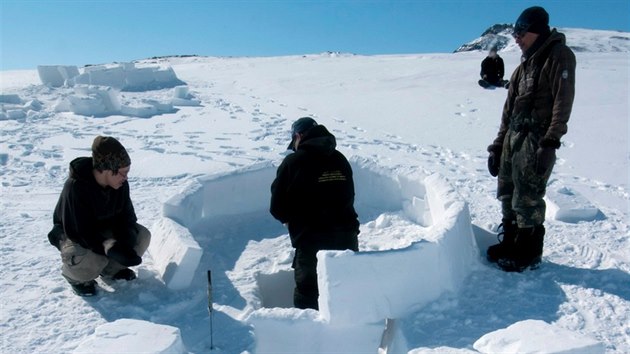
column 413, row 115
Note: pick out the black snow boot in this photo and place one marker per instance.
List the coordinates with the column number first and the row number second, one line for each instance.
column 125, row 274
column 84, row 289
column 527, row 251
column 506, row 243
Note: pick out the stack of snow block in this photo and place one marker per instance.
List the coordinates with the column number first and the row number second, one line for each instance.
column 127, row 77
column 535, row 336
column 96, row 101
column 56, row 75
column 13, row 107
column 352, row 309
column 133, row 336
column 175, row 253
column 217, row 196
column 399, row 279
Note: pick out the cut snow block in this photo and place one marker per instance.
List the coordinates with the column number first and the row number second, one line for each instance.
column 567, row 205
column 56, row 75
column 185, row 102
column 186, row 207
column 102, row 76
column 133, row 336
column 175, row 252
column 294, row 331
column 181, row 92
column 142, row 110
column 535, row 336
column 97, row 101
column 16, row 114
column 10, row 99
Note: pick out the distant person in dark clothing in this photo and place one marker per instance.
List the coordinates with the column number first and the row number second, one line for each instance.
column 492, row 70
column 95, row 226
column 313, row 195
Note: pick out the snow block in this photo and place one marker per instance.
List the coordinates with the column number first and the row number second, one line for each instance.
column 128, row 77
column 181, row 92
column 535, row 336
column 240, row 192
column 185, row 102
column 399, row 279
column 175, row 252
column 303, row 331
column 15, row 114
column 567, row 205
column 181, row 97
column 33, row 105
column 56, row 75
column 186, row 207
column 133, row 336
column 142, row 110
column 96, row 101
column 10, row 99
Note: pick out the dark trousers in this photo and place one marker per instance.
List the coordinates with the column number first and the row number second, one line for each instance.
column 306, row 292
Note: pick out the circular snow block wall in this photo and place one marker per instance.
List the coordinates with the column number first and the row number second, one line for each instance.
column 228, row 215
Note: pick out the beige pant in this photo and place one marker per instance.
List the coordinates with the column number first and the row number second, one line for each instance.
column 80, row 265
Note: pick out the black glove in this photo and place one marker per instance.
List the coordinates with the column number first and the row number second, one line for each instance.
column 124, row 255
column 494, row 159
column 546, row 154
column 545, row 158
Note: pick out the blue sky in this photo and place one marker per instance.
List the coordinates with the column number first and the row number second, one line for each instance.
column 75, row 32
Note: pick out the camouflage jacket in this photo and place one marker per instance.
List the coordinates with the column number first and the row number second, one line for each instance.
column 552, row 96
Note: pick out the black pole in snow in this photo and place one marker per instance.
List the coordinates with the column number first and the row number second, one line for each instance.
column 210, row 308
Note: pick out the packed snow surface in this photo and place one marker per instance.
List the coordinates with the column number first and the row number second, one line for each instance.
column 214, row 139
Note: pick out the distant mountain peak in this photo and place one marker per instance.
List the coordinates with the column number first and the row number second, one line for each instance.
column 580, row 40
column 499, row 36
column 498, row 29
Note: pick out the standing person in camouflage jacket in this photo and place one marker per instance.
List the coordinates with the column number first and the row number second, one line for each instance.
column 535, row 117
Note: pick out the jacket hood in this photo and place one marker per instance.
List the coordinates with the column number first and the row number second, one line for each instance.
column 318, row 139
column 81, row 168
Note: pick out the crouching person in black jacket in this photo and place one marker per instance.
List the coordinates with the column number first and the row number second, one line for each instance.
column 313, row 195
column 95, row 224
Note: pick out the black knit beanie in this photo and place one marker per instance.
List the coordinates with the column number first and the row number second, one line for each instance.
column 109, row 154
column 534, row 19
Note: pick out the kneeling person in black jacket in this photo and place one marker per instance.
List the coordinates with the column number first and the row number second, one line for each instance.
column 313, row 194
column 95, row 224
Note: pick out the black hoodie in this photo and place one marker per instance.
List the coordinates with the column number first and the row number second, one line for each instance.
column 314, row 191
column 85, row 210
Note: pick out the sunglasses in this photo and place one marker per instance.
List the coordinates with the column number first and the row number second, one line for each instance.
column 520, row 29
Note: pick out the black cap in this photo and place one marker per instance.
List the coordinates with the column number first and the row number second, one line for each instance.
column 534, row 19
column 300, row 126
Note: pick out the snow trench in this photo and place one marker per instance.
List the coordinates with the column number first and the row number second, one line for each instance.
column 416, row 243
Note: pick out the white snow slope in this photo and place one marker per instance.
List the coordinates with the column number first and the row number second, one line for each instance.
column 422, row 113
